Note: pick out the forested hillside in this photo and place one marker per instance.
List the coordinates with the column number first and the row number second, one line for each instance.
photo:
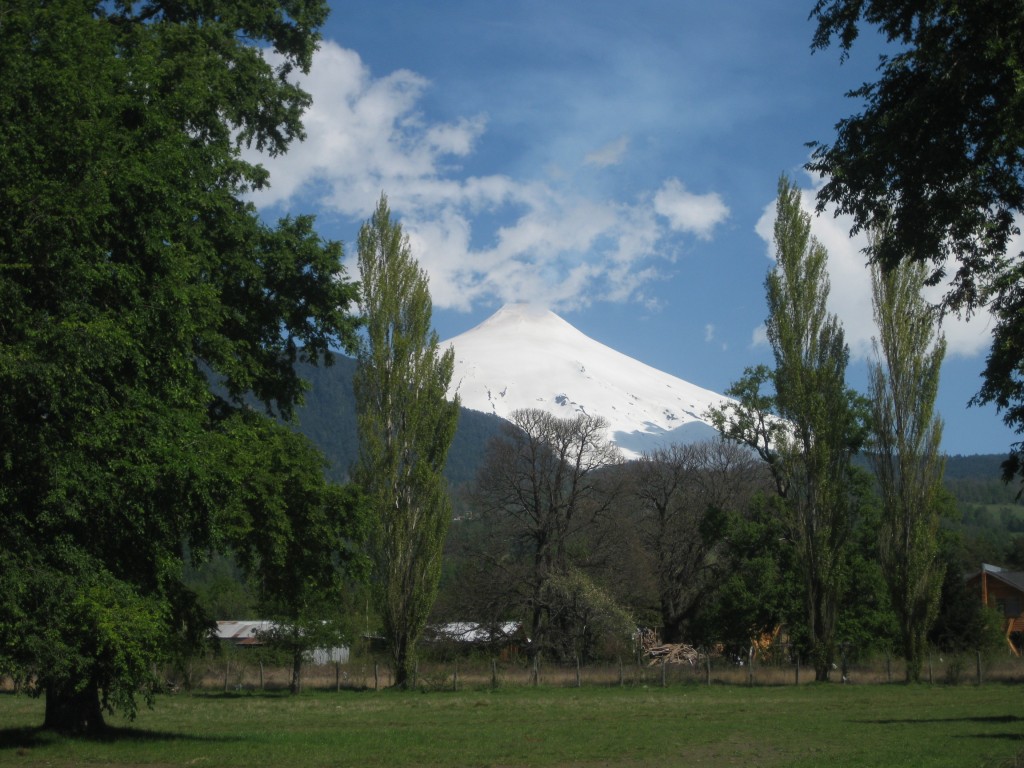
column 328, row 418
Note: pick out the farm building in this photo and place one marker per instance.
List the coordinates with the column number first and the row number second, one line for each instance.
column 1004, row 591
column 246, row 634
column 505, row 638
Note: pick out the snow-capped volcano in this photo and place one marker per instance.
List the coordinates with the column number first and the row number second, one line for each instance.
column 527, row 357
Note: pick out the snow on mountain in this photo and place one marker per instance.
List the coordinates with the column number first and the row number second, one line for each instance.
column 527, row 357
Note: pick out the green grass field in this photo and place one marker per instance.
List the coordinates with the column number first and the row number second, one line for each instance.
column 811, row 725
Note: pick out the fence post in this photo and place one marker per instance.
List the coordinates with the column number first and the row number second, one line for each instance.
column 930, row 680
column 455, row 676
column 376, row 676
column 888, row 666
column 664, row 684
column 621, row 678
column 227, row 671
column 750, row 666
column 979, row 667
column 798, row 669
column 577, row 670
column 707, row 667
column 261, row 674
column 536, row 671
column 494, row 673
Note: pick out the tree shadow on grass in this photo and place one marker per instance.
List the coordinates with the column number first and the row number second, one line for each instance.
column 926, row 720
column 1004, row 719
column 28, row 738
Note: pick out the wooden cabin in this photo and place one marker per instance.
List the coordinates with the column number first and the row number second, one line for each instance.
column 1003, row 590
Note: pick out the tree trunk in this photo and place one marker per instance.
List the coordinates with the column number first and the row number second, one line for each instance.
column 71, row 711
column 296, row 686
column 914, row 645
column 404, row 663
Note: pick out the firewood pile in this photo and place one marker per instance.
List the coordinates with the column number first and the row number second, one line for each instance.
column 667, row 653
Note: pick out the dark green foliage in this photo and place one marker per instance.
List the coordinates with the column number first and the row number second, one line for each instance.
column 221, row 588
column 934, row 159
column 130, row 267
column 761, row 588
column 299, row 538
column 963, row 623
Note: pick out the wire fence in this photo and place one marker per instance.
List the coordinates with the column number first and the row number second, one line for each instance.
column 236, row 671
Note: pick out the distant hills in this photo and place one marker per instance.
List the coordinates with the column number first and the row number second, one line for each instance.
column 328, row 418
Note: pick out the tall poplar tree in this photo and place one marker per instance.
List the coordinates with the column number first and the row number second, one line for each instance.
column 406, row 425
column 904, row 450
column 808, row 427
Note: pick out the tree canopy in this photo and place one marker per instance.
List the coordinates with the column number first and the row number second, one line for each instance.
column 934, row 161
column 133, row 273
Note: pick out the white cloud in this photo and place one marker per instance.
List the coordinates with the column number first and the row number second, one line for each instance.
column 608, row 155
column 482, row 237
column 687, row 212
column 709, row 333
column 850, row 280
column 759, row 337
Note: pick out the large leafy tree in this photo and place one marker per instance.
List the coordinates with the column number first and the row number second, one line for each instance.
column 132, row 274
column 406, row 425
column 807, row 425
column 934, row 162
column 904, row 451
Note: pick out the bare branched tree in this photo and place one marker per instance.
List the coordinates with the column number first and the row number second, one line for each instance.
column 685, row 492
column 543, row 487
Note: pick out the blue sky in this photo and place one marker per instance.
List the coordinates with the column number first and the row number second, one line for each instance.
column 616, row 162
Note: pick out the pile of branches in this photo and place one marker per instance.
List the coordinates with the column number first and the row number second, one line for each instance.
column 667, row 653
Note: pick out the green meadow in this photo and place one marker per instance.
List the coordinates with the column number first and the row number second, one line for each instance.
column 688, row 725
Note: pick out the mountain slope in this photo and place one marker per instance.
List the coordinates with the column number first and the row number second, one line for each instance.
column 328, row 419
column 526, row 357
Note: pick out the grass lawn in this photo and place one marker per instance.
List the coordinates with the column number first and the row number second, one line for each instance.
column 812, row 725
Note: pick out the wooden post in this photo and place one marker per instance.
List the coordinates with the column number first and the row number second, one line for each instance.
column 664, row 683
column 261, row 674
column 536, row 671
column 622, row 680
column 798, row 669
column 337, row 676
column 979, row 667
column 577, row 670
column 750, row 666
column 227, row 671
column 930, row 680
column 455, row 676
column 494, row 673
column 888, row 666
column 707, row 668
column 376, row 676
